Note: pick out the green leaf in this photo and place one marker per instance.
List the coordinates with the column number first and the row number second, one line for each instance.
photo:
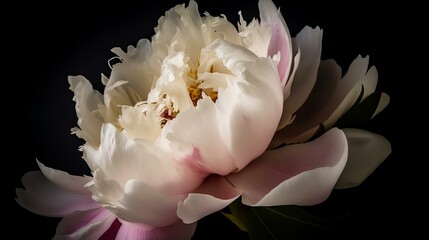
column 234, row 220
column 283, row 222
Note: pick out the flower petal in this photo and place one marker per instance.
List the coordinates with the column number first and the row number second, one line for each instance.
column 137, row 202
column 366, row 152
column 370, row 82
column 256, row 37
column 309, row 41
column 70, row 183
column 178, row 230
column 121, row 159
column 179, row 31
column 45, row 198
column 213, row 195
column 280, row 38
column 88, row 103
column 90, row 224
column 197, row 130
column 220, row 137
column 330, row 98
column 384, row 101
column 300, row 174
column 130, row 80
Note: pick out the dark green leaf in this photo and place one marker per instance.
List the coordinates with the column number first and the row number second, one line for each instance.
column 284, row 222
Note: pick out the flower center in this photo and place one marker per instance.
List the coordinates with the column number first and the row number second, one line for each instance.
column 178, row 88
column 196, row 93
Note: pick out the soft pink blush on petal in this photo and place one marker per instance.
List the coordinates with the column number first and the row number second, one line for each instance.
column 280, row 38
column 45, row 198
column 279, row 43
column 112, row 231
column 178, row 231
column 300, row 174
column 213, row 195
column 90, row 224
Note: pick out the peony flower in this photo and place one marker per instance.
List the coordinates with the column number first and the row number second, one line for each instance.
column 201, row 115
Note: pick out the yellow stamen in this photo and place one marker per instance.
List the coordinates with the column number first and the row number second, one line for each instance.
column 213, row 95
column 195, row 93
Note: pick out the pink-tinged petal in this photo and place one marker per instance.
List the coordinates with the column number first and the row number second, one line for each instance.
column 178, row 230
column 309, row 42
column 213, row 195
column 300, row 174
column 45, row 198
column 112, row 231
column 384, row 101
column 88, row 102
column 288, row 116
column 90, row 224
column 366, row 152
column 70, row 183
column 296, row 61
column 147, row 205
column 280, row 38
column 198, row 129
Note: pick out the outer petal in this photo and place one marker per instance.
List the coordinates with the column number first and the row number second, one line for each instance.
column 224, row 136
column 88, row 102
column 370, row 82
column 73, row 184
column 137, row 202
column 366, row 151
column 178, row 230
column 213, row 195
column 85, row 225
column 280, row 38
column 122, row 159
column 45, row 198
column 330, row 98
column 384, row 101
column 301, row 174
column 309, row 42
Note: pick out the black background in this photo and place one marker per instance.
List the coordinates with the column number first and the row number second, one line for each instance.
column 45, row 44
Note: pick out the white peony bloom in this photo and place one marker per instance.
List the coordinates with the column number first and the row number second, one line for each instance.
column 196, row 117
